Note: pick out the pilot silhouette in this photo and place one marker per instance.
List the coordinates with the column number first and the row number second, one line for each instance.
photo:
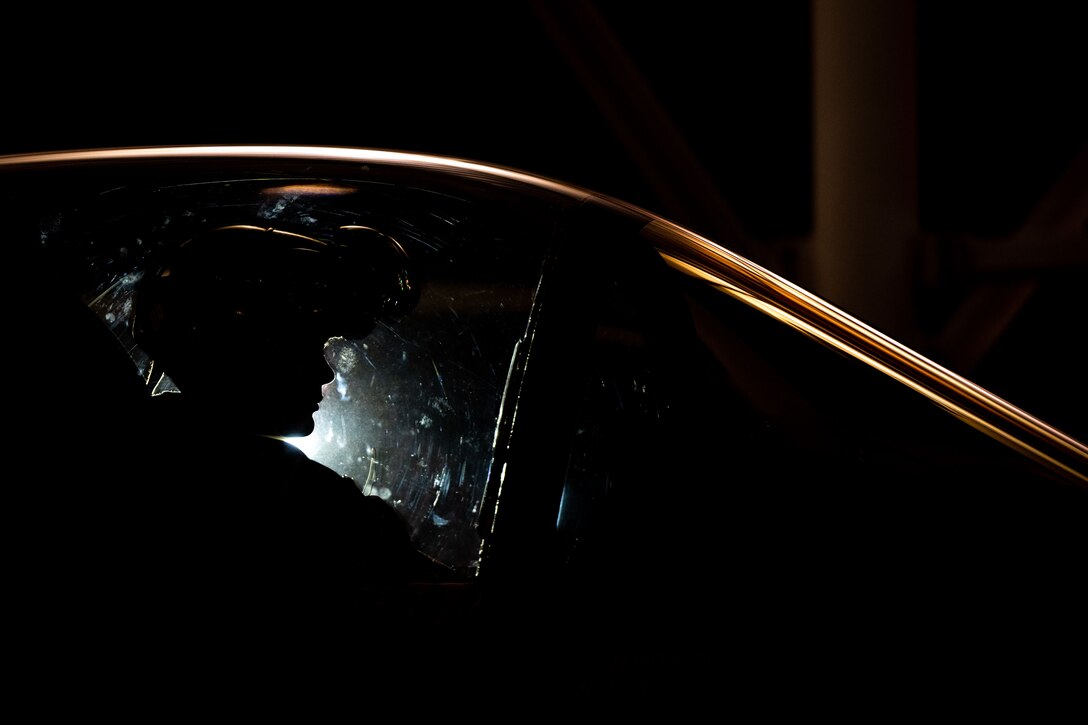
column 245, row 525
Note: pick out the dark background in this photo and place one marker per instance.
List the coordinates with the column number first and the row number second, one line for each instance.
column 702, row 112
column 1001, row 92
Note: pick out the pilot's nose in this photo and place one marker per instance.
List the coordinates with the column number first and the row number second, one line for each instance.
column 321, row 370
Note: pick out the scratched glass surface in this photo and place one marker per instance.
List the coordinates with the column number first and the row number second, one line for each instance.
column 411, row 413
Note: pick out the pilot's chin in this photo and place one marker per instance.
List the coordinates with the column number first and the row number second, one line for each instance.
column 299, row 429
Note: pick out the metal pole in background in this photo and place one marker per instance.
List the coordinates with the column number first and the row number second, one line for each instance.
column 865, row 158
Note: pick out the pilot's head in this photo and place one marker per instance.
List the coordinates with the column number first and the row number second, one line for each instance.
column 238, row 317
